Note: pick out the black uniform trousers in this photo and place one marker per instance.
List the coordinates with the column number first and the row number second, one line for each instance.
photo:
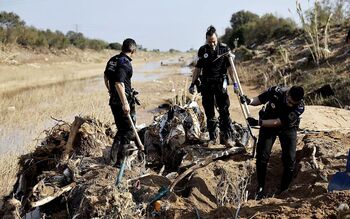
column 125, row 131
column 267, row 137
column 213, row 92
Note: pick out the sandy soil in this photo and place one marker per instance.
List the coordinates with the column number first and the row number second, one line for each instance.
column 308, row 196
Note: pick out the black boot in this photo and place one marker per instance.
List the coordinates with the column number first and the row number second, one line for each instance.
column 260, row 193
column 116, row 153
column 261, row 169
column 214, row 136
column 286, row 180
column 227, row 138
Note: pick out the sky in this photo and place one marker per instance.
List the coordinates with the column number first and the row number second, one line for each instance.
column 154, row 24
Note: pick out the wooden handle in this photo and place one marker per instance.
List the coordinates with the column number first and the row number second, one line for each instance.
column 142, row 148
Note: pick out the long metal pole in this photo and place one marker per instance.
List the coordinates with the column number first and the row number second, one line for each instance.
column 244, row 106
column 121, row 172
column 236, row 78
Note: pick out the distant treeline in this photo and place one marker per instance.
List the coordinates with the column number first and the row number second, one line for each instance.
column 250, row 29
column 13, row 30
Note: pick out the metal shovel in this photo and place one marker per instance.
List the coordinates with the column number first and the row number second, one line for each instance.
column 341, row 180
column 141, row 152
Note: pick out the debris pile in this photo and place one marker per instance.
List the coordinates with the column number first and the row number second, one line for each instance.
column 180, row 133
column 69, row 175
column 81, row 186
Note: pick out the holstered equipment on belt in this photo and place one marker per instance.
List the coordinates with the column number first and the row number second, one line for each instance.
column 133, row 97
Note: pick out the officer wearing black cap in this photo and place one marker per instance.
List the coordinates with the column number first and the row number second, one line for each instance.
column 214, row 68
column 280, row 117
column 118, row 75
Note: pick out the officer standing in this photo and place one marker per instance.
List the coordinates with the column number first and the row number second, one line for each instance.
column 280, row 117
column 118, row 75
column 214, row 68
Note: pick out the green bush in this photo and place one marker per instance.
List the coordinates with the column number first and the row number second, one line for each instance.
column 97, row 44
column 27, row 37
column 248, row 28
column 57, row 40
column 14, row 30
column 2, row 35
column 268, row 27
column 173, row 50
column 115, row 46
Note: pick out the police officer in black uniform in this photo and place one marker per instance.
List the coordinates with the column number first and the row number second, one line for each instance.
column 118, row 75
column 214, row 68
column 279, row 117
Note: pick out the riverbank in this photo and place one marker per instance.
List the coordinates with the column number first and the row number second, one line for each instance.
column 36, row 92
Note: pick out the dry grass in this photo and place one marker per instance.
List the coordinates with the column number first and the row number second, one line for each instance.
column 8, row 171
column 313, row 34
column 284, row 54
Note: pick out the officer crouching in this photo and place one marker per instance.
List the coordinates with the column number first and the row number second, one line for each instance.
column 280, row 117
column 214, row 65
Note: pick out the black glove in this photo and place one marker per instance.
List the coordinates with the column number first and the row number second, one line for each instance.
column 245, row 99
column 191, row 89
column 252, row 121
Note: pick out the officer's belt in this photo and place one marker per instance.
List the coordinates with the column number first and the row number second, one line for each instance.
column 213, row 80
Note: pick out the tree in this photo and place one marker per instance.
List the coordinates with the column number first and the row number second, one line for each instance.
column 10, row 20
column 77, row 39
column 248, row 28
column 236, row 33
column 233, row 38
column 241, row 18
column 10, row 23
column 267, row 27
column 14, row 30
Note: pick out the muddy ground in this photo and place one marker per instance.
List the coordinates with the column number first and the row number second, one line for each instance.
column 223, row 189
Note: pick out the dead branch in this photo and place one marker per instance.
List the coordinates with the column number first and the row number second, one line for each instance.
column 52, row 197
column 57, row 120
column 314, row 161
column 78, row 121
